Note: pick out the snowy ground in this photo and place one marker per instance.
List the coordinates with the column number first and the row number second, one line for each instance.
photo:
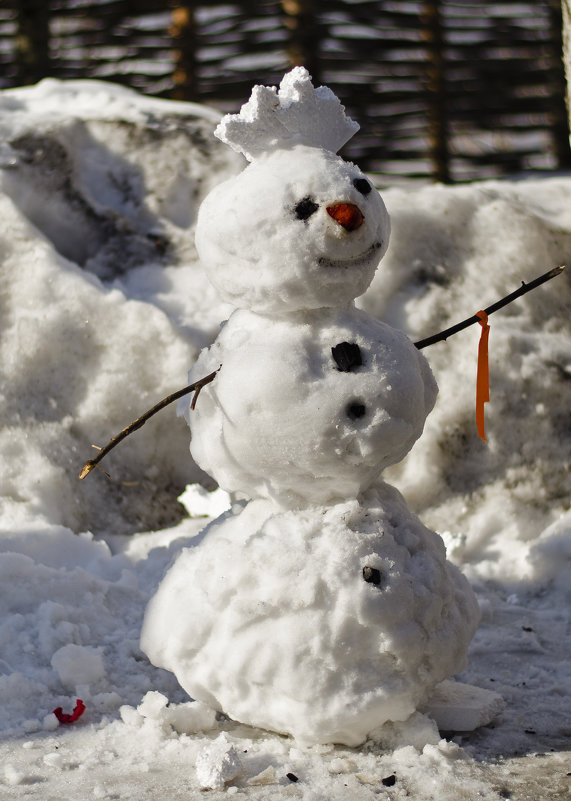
column 103, row 307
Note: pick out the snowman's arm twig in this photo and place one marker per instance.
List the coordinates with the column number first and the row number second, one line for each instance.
column 423, row 343
column 140, row 421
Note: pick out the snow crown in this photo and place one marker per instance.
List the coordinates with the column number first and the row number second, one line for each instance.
column 294, row 114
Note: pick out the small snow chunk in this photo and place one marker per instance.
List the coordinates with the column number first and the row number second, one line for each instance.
column 367, row 778
column 217, row 764
column 417, row 731
column 342, row 765
column 186, row 718
column 78, row 665
column 152, row 705
column 191, row 717
column 267, row 776
column 462, row 707
column 50, row 722
column 198, row 502
column 131, row 717
column 12, row 776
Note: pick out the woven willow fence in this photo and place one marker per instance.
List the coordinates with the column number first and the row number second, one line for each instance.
column 448, row 89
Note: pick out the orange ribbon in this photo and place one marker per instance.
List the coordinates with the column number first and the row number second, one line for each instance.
column 483, row 374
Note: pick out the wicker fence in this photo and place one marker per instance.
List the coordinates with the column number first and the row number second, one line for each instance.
column 449, row 89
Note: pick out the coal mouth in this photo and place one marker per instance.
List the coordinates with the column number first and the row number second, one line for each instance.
column 358, row 261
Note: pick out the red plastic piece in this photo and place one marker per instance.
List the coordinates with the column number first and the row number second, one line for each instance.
column 63, row 717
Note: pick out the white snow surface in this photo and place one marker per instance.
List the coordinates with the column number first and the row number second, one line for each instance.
column 98, row 320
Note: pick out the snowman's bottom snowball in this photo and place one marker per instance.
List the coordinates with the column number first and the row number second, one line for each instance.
column 271, row 620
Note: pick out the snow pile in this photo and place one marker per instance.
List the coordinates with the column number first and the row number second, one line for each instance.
column 97, row 184
column 503, row 507
column 473, row 245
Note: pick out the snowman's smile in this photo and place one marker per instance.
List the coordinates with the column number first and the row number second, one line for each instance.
column 358, row 261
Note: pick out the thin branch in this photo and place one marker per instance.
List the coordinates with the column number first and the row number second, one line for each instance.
column 140, row 421
column 423, row 343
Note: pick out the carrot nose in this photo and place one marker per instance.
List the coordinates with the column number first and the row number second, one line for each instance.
column 346, row 214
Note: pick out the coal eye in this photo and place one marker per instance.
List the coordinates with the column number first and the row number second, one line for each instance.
column 305, row 208
column 355, row 410
column 362, row 186
column 372, row 575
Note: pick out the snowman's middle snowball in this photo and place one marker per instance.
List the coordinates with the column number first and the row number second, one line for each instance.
column 282, row 420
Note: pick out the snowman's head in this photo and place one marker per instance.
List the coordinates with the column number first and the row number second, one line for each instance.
column 299, row 228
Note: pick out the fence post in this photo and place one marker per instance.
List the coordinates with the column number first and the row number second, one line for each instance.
column 183, row 31
column 433, row 35
column 303, row 36
column 559, row 115
column 32, row 54
column 566, row 8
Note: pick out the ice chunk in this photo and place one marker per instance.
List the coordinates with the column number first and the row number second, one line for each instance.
column 218, row 764
column 267, row 776
column 462, row 707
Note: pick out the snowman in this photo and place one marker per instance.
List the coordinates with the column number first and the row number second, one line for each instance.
column 318, row 606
